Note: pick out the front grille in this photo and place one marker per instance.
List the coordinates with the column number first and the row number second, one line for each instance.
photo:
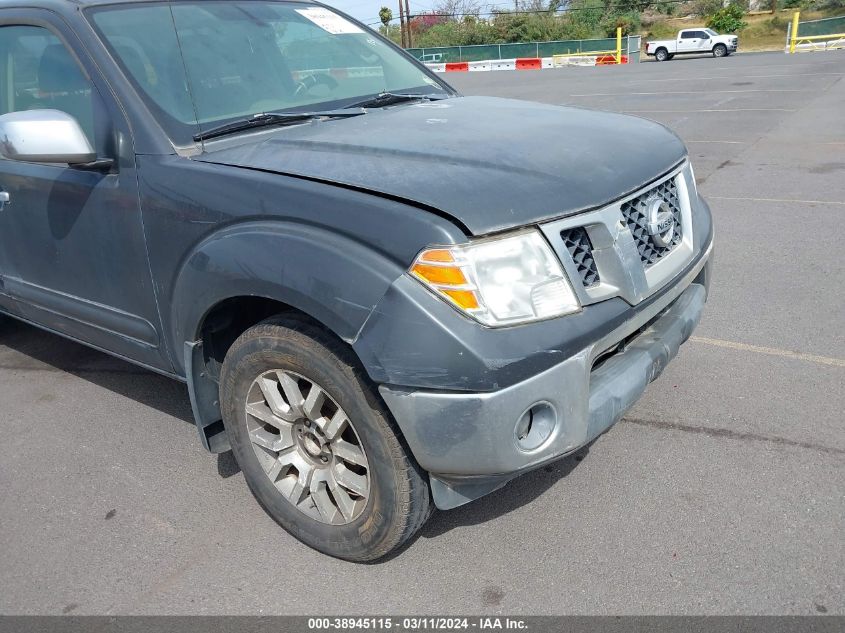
column 635, row 212
column 580, row 247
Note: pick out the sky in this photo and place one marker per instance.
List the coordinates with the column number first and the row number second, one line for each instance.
column 367, row 10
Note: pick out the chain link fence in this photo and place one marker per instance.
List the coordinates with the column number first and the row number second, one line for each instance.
column 477, row 53
column 825, row 26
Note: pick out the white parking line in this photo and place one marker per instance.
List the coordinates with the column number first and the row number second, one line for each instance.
column 768, row 141
column 771, row 351
column 687, row 111
column 836, row 202
column 796, row 65
column 683, row 92
column 737, row 77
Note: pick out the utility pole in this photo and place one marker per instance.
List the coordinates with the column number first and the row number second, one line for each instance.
column 402, row 22
column 408, row 22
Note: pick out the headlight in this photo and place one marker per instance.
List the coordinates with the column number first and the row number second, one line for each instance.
column 499, row 281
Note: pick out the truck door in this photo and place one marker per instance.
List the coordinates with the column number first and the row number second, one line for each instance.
column 72, row 250
column 688, row 41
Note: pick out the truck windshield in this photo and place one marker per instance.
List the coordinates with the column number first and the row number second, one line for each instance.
column 199, row 65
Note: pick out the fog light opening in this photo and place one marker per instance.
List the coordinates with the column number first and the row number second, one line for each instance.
column 523, row 427
column 535, row 426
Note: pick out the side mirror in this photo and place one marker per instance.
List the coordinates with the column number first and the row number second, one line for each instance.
column 44, row 136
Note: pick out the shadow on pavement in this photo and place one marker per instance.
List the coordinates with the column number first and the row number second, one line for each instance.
column 227, row 466
column 682, row 58
column 515, row 494
column 31, row 349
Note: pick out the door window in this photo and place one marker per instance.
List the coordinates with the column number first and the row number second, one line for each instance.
column 37, row 72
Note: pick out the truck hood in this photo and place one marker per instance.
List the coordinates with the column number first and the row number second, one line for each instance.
column 489, row 163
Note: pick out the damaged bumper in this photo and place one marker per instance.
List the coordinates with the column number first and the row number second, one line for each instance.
column 473, row 442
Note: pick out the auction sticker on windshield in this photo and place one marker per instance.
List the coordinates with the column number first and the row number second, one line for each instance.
column 329, row 21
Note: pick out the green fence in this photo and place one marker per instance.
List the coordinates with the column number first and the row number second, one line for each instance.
column 826, row 26
column 511, row 51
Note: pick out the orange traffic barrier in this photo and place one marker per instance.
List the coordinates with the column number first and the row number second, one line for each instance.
column 607, row 60
column 529, row 63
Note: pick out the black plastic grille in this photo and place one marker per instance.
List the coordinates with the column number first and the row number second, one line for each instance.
column 581, row 248
column 635, row 212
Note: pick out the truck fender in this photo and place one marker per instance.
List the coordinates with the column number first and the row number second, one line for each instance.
column 330, row 277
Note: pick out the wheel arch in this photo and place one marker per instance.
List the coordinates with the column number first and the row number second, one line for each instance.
column 246, row 273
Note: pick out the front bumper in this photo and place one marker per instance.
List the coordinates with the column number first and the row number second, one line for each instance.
column 468, row 441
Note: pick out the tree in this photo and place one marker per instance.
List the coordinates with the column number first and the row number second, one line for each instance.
column 727, row 19
column 386, row 16
column 468, row 22
column 424, row 21
column 456, row 9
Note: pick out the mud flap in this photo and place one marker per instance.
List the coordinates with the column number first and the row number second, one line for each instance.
column 205, row 400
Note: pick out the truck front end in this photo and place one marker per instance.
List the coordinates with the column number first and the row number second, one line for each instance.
column 516, row 350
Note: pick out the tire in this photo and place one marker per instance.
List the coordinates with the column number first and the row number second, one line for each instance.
column 337, row 475
column 670, row 57
column 661, row 55
column 720, row 50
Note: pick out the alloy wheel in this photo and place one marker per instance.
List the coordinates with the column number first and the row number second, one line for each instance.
column 307, row 446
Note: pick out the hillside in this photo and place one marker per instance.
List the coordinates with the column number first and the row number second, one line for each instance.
column 764, row 32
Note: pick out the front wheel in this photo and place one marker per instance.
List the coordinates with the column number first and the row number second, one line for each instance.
column 661, row 54
column 316, row 445
column 720, row 50
column 669, row 57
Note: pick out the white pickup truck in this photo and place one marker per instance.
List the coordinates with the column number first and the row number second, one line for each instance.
column 690, row 41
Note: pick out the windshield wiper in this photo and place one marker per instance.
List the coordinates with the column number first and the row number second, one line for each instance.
column 389, row 98
column 266, row 119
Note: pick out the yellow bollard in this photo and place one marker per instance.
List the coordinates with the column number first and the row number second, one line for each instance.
column 794, row 35
column 618, row 44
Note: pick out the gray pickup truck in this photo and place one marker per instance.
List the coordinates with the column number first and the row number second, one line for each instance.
column 382, row 296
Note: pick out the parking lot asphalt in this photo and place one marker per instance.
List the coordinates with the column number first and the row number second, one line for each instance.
column 722, row 491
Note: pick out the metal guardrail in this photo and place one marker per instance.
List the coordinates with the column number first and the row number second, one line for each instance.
column 616, row 52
